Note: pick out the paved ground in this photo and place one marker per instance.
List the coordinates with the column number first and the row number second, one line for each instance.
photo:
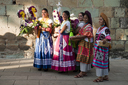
column 21, row 72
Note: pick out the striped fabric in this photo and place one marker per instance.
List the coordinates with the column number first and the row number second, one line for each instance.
column 101, row 53
column 85, row 50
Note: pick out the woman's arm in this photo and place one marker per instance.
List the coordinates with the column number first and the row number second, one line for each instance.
column 78, row 37
column 77, row 30
column 64, row 28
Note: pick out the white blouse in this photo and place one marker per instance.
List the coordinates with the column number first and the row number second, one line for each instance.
column 49, row 21
column 67, row 23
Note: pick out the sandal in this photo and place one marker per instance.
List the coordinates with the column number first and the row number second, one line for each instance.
column 105, row 78
column 45, row 70
column 98, row 80
column 61, row 72
column 80, row 75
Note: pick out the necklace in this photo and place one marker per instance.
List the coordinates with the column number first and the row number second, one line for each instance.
column 101, row 27
column 65, row 21
column 86, row 23
column 45, row 19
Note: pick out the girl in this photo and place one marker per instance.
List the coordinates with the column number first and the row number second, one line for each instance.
column 63, row 59
column 44, row 45
column 85, row 51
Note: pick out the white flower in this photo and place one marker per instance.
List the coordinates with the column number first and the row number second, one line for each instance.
column 32, row 26
column 29, row 24
column 56, row 16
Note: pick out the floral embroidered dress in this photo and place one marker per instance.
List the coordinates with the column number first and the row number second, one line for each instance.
column 44, row 48
column 101, row 53
column 85, row 51
column 63, row 58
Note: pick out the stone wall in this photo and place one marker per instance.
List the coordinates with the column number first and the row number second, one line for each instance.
column 12, row 45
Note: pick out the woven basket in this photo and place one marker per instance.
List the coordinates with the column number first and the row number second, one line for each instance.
column 100, row 43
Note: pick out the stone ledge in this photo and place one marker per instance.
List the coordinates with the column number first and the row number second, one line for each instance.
column 13, row 47
column 2, row 47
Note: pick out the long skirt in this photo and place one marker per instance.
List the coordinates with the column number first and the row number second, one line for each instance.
column 85, row 52
column 43, row 51
column 63, row 58
column 100, row 59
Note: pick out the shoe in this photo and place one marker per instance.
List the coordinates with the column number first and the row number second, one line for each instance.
column 45, row 69
column 39, row 69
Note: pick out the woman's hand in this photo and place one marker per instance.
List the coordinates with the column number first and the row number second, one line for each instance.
column 43, row 29
column 73, row 37
column 40, row 27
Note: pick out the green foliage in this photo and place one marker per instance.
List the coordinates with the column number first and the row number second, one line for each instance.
column 26, row 30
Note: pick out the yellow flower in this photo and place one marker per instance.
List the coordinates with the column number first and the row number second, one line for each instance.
column 56, row 21
column 32, row 20
column 23, row 14
column 34, row 10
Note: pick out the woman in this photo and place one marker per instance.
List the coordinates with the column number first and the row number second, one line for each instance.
column 63, row 59
column 85, row 51
column 44, row 45
column 100, row 60
column 81, row 22
column 79, row 26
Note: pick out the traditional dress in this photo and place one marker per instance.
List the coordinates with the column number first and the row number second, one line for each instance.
column 44, row 48
column 85, row 51
column 63, row 59
column 101, row 57
column 80, row 24
column 100, row 60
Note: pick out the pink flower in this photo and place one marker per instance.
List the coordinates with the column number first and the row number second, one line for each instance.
column 35, row 27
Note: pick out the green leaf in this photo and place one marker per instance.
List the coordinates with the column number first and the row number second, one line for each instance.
column 26, row 30
column 44, row 25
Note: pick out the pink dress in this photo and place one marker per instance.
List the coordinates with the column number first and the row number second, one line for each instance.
column 63, row 58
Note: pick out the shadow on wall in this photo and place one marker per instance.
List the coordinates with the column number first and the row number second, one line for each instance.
column 12, row 46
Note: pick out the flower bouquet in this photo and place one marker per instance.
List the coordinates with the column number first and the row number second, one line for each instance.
column 28, row 22
column 73, row 24
column 57, row 22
